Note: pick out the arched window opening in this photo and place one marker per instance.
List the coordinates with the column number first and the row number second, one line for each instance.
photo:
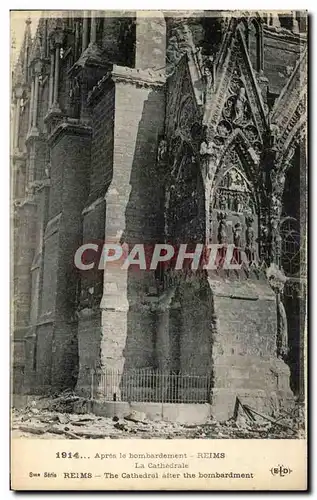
column 186, row 200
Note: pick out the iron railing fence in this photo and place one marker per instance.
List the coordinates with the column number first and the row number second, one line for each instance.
column 150, row 386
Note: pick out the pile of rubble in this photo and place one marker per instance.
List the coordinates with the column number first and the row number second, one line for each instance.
column 55, row 421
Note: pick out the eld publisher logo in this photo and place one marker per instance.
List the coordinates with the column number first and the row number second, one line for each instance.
column 280, row 470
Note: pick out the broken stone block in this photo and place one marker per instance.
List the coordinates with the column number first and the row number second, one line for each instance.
column 136, row 416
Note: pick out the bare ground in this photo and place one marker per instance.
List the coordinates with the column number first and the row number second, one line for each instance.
column 55, row 422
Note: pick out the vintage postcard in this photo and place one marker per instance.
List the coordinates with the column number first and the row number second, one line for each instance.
column 159, row 217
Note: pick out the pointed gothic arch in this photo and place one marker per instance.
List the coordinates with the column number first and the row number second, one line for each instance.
column 249, row 158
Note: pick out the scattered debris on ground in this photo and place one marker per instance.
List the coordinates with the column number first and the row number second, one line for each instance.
column 54, row 421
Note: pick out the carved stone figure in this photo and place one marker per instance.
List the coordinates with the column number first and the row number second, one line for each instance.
column 75, row 95
column 162, row 151
column 22, row 104
column 249, row 238
column 282, row 330
column 222, row 201
column 239, row 203
column 278, row 180
column 277, row 281
column 274, row 134
column 204, row 148
column 276, row 205
column 237, row 230
column 173, row 53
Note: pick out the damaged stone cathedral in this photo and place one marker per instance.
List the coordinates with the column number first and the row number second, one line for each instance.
column 186, row 127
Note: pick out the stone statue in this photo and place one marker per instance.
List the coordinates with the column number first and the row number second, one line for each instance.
column 22, row 104
column 203, row 148
column 275, row 239
column 239, row 106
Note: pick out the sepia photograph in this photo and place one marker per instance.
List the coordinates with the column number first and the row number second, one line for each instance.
column 158, row 226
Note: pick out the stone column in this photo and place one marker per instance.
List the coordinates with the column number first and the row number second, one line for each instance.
column 162, row 340
column 85, row 31
column 51, row 82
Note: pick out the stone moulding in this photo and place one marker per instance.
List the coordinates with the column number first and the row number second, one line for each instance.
column 145, row 78
column 123, row 74
column 93, row 206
